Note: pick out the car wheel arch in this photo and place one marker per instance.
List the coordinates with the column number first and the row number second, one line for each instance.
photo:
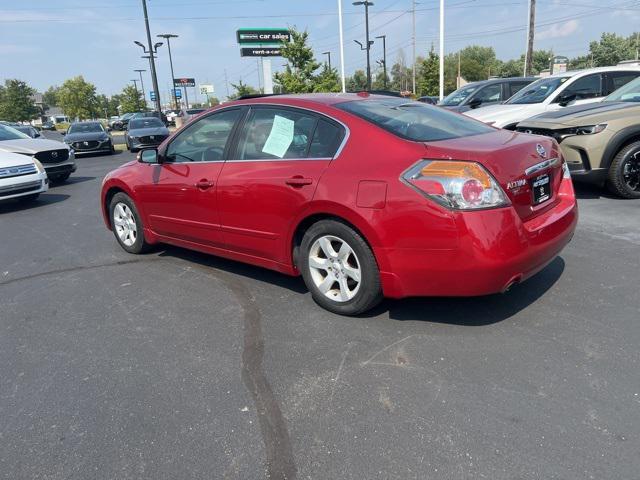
column 109, row 192
column 350, row 219
column 620, row 140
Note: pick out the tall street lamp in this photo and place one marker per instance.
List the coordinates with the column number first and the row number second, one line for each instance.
column 384, row 58
column 144, row 95
column 328, row 54
column 168, row 37
column 366, row 4
column 151, row 50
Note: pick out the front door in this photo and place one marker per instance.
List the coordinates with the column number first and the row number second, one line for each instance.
column 273, row 172
column 179, row 195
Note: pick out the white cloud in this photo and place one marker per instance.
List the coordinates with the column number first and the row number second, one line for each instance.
column 559, row 30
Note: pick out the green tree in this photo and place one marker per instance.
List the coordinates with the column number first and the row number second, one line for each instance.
column 131, row 100
column 298, row 76
column 357, row 82
column 428, row 74
column 327, row 80
column 16, row 102
column 401, row 75
column 77, row 98
column 50, row 97
column 512, row 68
column 378, row 81
column 611, row 49
column 242, row 89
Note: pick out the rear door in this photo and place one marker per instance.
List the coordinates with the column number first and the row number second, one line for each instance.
column 179, row 196
column 272, row 173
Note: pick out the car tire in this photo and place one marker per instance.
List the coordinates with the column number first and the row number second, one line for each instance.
column 339, row 268
column 126, row 224
column 625, row 162
column 29, row 198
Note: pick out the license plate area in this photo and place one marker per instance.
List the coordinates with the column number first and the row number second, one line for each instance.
column 541, row 188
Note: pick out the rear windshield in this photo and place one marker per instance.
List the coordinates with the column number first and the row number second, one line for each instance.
column 145, row 123
column 414, row 120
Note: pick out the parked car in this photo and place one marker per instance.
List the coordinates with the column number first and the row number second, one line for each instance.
column 556, row 92
column 600, row 141
column 89, row 137
column 26, row 129
column 21, row 177
column 122, row 122
column 486, row 92
column 187, row 114
column 171, row 116
column 58, row 158
column 155, row 114
column 145, row 132
column 428, row 99
column 341, row 189
column 48, row 126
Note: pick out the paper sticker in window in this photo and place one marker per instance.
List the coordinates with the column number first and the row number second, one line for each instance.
column 280, row 137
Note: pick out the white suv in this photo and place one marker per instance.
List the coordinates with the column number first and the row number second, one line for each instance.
column 21, row 177
column 555, row 92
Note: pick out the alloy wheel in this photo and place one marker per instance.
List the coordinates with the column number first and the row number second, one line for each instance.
column 335, row 268
column 631, row 172
column 125, row 224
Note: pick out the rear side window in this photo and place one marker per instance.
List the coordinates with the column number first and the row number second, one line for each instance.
column 326, row 140
column 620, row 79
column 414, row 120
column 272, row 133
column 490, row 93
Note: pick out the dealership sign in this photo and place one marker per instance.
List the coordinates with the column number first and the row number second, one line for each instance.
column 263, row 36
column 260, row 52
column 184, row 82
column 206, row 89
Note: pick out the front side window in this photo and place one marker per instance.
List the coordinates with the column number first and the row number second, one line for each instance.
column 414, row 120
column 273, row 133
column 585, row 87
column 538, row 91
column 456, row 98
column 205, row 140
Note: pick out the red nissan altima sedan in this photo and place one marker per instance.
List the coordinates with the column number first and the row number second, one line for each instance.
column 365, row 196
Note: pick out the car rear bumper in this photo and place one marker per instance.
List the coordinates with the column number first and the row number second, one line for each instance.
column 495, row 250
column 16, row 187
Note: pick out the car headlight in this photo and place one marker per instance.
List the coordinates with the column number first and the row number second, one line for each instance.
column 587, row 130
column 39, row 165
column 72, row 153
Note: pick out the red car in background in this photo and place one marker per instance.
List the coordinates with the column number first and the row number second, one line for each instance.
column 363, row 195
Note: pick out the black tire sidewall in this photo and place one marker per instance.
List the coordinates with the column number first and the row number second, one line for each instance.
column 370, row 292
column 616, row 181
column 140, row 245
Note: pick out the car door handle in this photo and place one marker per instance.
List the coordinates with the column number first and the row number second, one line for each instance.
column 204, row 184
column 299, row 181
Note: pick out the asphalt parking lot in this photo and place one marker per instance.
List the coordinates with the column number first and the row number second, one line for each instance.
column 177, row 365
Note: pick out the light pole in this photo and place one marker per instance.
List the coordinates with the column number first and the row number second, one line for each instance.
column 135, row 84
column 384, row 58
column 168, row 37
column 144, row 95
column 151, row 51
column 366, row 4
column 328, row 54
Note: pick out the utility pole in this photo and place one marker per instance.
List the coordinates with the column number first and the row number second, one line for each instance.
column 168, row 37
column 226, row 82
column 366, row 4
column 342, row 77
column 458, row 81
column 152, row 50
column 135, row 84
column 328, row 54
column 384, row 59
column 144, row 95
column 528, row 58
column 413, row 8
column 441, row 50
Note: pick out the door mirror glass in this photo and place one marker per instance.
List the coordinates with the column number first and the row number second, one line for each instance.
column 475, row 103
column 150, row 155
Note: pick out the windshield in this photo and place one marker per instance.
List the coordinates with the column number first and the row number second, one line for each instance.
column 629, row 93
column 85, row 128
column 538, row 91
column 456, row 98
column 126, row 116
column 414, row 120
column 150, row 122
column 195, row 110
column 8, row 133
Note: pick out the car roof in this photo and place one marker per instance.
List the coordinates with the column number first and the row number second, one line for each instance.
column 87, row 122
column 587, row 71
column 311, row 98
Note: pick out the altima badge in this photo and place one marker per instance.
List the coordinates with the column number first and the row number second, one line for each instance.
column 516, row 184
column 541, row 151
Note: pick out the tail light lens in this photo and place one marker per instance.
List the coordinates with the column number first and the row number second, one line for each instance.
column 456, row 185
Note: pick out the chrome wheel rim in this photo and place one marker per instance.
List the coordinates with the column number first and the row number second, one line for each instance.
column 125, row 224
column 335, row 268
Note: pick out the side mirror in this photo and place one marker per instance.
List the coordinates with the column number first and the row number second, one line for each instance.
column 566, row 99
column 149, row 155
column 475, row 103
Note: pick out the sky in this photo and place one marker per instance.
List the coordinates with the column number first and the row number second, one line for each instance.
column 45, row 42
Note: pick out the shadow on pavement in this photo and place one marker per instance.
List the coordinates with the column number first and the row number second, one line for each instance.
column 475, row 311
column 587, row 191
column 72, row 180
column 7, row 206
